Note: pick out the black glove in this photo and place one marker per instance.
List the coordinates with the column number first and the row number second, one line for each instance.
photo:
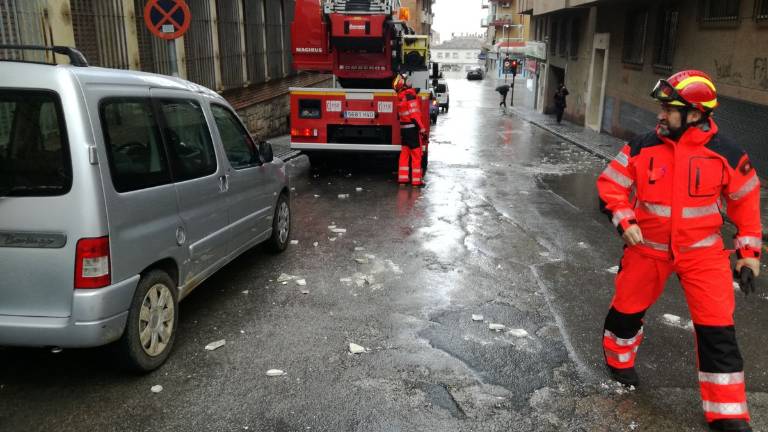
column 746, row 280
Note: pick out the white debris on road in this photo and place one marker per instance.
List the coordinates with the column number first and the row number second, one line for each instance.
column 672, row 319
column 496, row 327
column 345, row 280
column 317, row 196
column 358, row 189
column 583, row 245
column 315, row 244
column 304, row 292
column 476, row 317
column 544, row 254
column 245, row 291
column 614, row 269
column 156, row 388
column 633, row 425
column 343, row 196
column 356, row 349
column 359, row 248
column 215, row 345
column 275, row 373
column 338, row 230
column 361, row 260
column 285, row 277
column 332, row 238
column 294, row 242
column 518, row 333
column 331, row 227
column 301, row 282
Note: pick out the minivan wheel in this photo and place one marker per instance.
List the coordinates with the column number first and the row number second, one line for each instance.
column 281, row 226
column 152, row 320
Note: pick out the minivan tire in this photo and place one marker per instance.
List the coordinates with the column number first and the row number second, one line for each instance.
column 130, row 349
column 281, row 226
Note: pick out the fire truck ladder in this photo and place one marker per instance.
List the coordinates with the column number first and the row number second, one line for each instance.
column 386, row 7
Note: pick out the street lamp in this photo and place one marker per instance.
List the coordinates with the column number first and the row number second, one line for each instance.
column 502, row 41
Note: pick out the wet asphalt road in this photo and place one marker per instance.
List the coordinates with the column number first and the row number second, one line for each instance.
column 507, row 228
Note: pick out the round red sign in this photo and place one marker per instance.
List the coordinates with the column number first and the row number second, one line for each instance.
column 167, row 19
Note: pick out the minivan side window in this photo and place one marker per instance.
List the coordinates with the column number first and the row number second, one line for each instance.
column 34, row 152
column 237, row 142
column 188, row 139
column 137, row 158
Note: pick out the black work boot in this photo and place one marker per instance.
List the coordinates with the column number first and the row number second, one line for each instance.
column 730, row 425
column 626, row 376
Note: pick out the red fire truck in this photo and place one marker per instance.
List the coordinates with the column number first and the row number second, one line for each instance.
column 363, row 43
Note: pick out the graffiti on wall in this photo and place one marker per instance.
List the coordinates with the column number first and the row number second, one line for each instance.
column 725, row 71
column 760, row 72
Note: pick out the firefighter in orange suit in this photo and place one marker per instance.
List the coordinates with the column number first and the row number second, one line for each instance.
column 412, row 132
column 680, row 175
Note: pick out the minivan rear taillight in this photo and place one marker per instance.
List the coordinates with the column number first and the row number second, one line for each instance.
column 92, row 263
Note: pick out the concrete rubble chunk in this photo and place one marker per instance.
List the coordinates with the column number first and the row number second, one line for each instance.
column 315, row 244
column 345, row 280
column 358, row 189
column 343, row 196
column 361, row 260
column 476, row 317
column 245, row 291
column 294, row 242
column 518, row 333
column 275, row 373
column 359, row 248
column 339, row 230
column 614, row 269
column 356, row 349
column 301, row 282
column 304, row 292
column 496, row 327
column 332, row 238
column 330, row 227
column 156, row 388
column 285, row 277
column 215, row 345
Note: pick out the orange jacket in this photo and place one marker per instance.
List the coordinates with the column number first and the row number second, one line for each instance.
column 678, row 189
column 409, row 107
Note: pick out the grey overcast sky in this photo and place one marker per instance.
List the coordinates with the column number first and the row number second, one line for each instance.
column 457, row 16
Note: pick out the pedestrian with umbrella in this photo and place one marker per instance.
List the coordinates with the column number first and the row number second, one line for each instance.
column 503, row 90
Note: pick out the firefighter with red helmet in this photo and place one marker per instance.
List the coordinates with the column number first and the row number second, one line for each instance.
column 412, row 132
column 679, row 177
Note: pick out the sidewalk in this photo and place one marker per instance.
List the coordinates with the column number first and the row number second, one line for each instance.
column 605, row 146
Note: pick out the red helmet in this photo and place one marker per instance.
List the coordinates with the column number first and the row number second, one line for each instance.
column 688, row 88
column 400, row 82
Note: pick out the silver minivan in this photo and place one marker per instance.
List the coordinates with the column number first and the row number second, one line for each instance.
column 120, row 192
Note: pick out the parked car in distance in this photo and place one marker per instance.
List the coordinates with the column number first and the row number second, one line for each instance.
column 475, row 74
column 443, row 99
column 120, row 192
column 434, row 108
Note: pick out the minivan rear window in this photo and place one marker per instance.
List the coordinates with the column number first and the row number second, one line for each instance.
column 34, row 152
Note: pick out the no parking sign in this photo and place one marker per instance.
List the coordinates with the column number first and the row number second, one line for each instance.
column 167, row 19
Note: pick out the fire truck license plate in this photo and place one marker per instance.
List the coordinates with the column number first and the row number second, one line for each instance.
column 359, row 114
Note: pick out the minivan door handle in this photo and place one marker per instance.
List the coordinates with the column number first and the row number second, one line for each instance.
column 224, row 183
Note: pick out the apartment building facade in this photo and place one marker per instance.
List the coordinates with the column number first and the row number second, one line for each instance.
column 610, row 53
column 240, row 48
column 507, row 32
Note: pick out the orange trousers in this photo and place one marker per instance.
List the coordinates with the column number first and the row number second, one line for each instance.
column 708, row 286
column 414, row 156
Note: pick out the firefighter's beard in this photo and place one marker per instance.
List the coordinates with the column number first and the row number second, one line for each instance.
column 672, row 133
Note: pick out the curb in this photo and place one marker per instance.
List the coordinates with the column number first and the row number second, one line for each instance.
column 592, row 150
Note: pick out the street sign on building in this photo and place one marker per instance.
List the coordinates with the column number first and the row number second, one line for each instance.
column 167, row 19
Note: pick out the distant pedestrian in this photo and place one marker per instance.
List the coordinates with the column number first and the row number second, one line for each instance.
column 560, row 105
column 503, row 90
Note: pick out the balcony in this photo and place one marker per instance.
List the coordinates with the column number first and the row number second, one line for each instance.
column 502, row 20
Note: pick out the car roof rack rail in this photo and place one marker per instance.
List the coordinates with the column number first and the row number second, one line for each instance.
column 76, row 58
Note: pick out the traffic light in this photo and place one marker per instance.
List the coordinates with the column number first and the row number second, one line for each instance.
column 514, row 67
column 508, row 65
